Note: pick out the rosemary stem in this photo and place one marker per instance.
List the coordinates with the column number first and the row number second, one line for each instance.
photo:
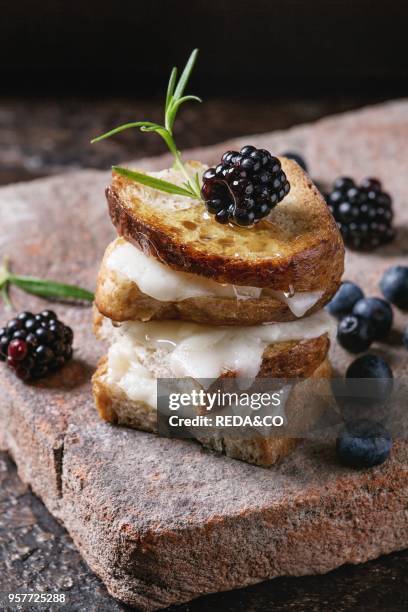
column 180, row 165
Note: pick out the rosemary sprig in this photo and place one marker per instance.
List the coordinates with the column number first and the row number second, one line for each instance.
column 175, row 98
column 38, row 286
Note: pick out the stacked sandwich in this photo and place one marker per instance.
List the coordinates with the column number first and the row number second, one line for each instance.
column 181, row 295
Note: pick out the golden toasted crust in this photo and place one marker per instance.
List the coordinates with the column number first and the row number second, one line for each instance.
column 298, row 248
column 120, row 299
column 294, row 359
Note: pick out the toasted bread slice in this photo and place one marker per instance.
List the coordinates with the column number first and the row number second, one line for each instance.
column 116, row 407
column 297, row 248
column 119, row 297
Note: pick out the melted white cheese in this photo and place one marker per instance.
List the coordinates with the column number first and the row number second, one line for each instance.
column 166, row 285
column 142, row 352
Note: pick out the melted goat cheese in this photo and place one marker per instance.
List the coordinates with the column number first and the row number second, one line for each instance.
column 197, row 351
column 166, row 285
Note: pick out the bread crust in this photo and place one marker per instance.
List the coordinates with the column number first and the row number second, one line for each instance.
column 314, row 258
column 120, row 299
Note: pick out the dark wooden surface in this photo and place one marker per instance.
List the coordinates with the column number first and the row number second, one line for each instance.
column 36, row 554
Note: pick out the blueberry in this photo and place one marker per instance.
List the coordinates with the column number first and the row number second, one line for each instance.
column 378, row 312
column 363, row 444
column 342, row 303
column 297, row 158
column 355, row 334
column 369, row 366
column 394, row 285
column 376, row 368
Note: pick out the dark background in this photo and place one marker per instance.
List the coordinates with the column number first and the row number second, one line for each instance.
column 73, row 69
column 258, row 47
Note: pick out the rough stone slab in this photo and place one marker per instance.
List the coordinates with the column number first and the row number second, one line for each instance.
column 163, row 521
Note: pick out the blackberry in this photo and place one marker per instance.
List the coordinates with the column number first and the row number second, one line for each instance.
column 244, row 187
column 363, row 213
column 34, row 346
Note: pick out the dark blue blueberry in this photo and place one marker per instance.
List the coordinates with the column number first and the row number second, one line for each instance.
column 297, row 158
column 342, row 303
column 376, row 375
column 369, row 366
column 378, row 312
column 363, row 444
column 355, row 334
column 394, row 285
